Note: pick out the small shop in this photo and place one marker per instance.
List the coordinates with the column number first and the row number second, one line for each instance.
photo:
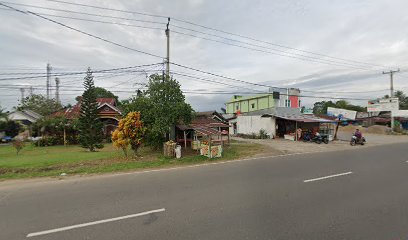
column 295, row 127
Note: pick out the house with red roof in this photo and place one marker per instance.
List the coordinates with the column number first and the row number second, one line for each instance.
column 109, row 113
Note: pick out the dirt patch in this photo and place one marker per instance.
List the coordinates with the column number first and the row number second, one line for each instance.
column 378, row 129
column 375, row 129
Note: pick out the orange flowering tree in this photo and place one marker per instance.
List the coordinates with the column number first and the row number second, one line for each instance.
column 130, row 131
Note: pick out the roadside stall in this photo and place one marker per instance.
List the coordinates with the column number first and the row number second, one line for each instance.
column 294, row 127
column 206, row 140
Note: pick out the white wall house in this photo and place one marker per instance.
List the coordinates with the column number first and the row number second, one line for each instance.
column 252, row 124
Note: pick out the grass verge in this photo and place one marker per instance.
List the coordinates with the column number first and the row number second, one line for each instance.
column 73, row 160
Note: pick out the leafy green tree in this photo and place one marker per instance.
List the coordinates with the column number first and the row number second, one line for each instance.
column 161, row 106
column 90, row 127
column 10, row 128
column 39, row 104
column 102, row 93
column 403, row 99
column 320, row 108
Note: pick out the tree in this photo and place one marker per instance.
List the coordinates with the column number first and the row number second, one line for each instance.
column 161, row 106
column 18, row 144
column 320, row 108
column 130, row 131
column 10, row 128
column 102, row 93
column 39, row 104
column 90, row 127
column 403, row 100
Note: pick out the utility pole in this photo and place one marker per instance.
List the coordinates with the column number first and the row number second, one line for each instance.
column 391, row 73
column 22, row 90
column 48, row 80
column 57, row 85
column 168, row 49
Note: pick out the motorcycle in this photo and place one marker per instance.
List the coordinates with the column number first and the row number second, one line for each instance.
column 354, row 140
column 318, row 138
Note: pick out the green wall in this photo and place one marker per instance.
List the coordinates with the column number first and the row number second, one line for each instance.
column 250, row 104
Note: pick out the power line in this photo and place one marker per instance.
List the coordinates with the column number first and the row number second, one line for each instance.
column 216, row 30
column 219, row 93
column 283, row 53
column 82, row 32
column 211, row 81
column 99, row 21
column 105, row 8
column 83, row 13
column 79, row 73
column 28, row 12
column 302, row 57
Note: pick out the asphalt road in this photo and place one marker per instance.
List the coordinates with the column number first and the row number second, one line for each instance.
column 358, row 194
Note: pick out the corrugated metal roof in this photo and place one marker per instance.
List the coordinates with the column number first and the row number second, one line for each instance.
column 274, row 112
column 199, row 129
column 292, row 114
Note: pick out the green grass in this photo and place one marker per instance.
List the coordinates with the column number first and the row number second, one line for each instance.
column 52, row 161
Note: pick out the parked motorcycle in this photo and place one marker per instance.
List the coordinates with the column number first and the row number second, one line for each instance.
column 354, row 140
column 318, row 138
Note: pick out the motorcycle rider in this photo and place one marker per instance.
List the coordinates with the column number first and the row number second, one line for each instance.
column 358, row 134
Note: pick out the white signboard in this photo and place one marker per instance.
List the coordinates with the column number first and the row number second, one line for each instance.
column 400, row 113
column 343, row 113
column 385, row 104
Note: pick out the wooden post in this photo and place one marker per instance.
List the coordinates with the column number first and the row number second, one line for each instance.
column 65, row 138
column 185, row 139
column 209, row 145
column 296, row 135
column 337, row 128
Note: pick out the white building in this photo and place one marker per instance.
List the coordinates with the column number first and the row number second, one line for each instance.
column 26, row 117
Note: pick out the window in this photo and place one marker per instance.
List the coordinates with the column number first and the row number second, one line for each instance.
column 253, row 105
column 300, row 103
column 287, row 103
column 237, row 107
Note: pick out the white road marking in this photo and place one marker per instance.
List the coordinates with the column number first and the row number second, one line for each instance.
column 94, row 223
column 326, row 177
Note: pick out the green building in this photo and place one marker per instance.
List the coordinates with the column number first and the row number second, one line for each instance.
column 250, row 103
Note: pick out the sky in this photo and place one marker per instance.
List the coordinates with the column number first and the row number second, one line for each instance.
column 328, row 49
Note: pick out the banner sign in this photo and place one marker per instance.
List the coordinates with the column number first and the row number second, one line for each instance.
column 341, row 113
column 385, row 104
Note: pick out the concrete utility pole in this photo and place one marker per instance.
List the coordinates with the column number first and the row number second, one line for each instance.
column 22, row 90
column 57, row 85
column 391, row 73
column 48, row 80
column 168, row 49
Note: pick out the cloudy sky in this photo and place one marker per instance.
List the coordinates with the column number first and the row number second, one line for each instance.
column 326, row 48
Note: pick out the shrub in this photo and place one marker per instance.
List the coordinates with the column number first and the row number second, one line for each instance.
column 49, row 141
column 263, row 134
column 18, row 145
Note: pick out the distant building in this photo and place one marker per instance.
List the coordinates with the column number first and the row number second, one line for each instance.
column 279, row 97
column 25, row 117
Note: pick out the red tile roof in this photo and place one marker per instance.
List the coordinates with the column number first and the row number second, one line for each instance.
column 74, row 111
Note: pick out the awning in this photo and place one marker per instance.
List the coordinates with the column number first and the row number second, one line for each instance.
column 200, row 130
column 306, row 119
